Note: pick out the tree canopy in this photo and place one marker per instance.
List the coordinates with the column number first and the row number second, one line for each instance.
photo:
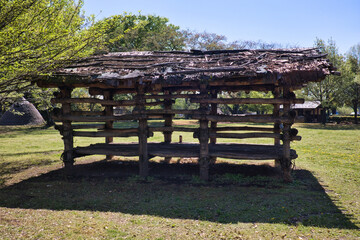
column 129, row 32
column 37, row 36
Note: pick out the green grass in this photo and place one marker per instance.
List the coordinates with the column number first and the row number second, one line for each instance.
column 37, row 201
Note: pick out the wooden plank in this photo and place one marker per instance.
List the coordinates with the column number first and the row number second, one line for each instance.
column 167, row 111
column 252, row 118
column 87, row 113
column 86, row 126
column 104, row 102
column 248, row 100
column 246, row 135
column 94, row 101
column 187, row 150
column 105, row 133
column 171, row 96
column 95, row 118
column 172, row 129
column 244, row 128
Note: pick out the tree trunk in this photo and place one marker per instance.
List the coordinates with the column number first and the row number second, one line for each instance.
column 355, row 111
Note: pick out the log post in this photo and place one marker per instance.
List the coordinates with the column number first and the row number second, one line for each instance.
column 109, row 111
column 143, row 128
column 168, row 122
column 276, row 113
column 204, row 137
column 286, row 160
column 68, row 157
column 213, row 125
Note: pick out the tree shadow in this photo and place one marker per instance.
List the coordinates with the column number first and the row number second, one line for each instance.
column 236, row 193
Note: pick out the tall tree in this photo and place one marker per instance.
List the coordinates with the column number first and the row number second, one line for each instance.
column 327, row 92
column 37, row 36
column 129, row 32
column 351, row 74
column 212, row 41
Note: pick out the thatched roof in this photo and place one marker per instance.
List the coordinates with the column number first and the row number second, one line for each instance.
column 22, row 113
column 294, row 67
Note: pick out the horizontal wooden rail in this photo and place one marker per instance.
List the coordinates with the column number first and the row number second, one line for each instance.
column 172, row 96
column 233, row 151
column 168, row 111
column 252, row 118
column 172, row 129
column 103, row 102
column 241, row 135
column 95, row 118
column 247, row 135
column 260, row 129
column 104, row 134
column 94, row 101
column 88, row 113
column 247, row 100
column 81, row 126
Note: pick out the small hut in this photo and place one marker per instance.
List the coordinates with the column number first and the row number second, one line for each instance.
column 22, row 113
column 159, row 78
column 309, row 111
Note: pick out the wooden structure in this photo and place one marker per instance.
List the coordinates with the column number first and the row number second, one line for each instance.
column 311, row 111
column 159, row 78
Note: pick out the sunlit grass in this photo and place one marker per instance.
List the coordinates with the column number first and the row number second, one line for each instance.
column 322, row 203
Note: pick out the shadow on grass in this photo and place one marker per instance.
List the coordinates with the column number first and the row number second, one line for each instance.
column 236, row 193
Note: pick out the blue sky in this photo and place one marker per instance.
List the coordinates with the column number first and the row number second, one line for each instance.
column 293, row 22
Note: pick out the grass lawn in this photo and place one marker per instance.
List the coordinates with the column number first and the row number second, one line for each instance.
column 242, row 201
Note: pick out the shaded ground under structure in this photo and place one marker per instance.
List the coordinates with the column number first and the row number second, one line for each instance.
column 154, row 80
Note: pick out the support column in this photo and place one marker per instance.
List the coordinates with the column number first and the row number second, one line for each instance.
column 68, row 156
column 109, row 111
column 213, row 125
column 168, row 123
column 204, row 137
column 276, row 113
column 143, row 129
column 286, row 160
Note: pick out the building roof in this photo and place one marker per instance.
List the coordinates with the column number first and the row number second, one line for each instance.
column 293, row 67
column 306, row 105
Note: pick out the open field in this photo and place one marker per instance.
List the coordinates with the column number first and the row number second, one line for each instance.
column 242, row 201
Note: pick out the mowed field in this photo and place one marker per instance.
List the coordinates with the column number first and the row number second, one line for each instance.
column 243, row 200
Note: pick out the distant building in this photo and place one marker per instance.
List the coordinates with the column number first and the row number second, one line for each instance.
column 310, row 110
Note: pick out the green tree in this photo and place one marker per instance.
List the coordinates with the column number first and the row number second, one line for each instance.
column 212, row 41
column 129, row 32
column 37, row 36
column 328, row 91
column 351, row 74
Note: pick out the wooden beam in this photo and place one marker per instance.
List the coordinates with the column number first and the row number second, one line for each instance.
column 245, row 128
column 171, row 96
column 276, row 113
column 87, row 113
column 103, row 102
column 172, row 129
column 68, row 157
column 248, row 100
column 143, row 147
column 94, row 118
column 286, row 159
column 105, row 133
column 252, row 118
column 109, row 111
column 204, row 158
